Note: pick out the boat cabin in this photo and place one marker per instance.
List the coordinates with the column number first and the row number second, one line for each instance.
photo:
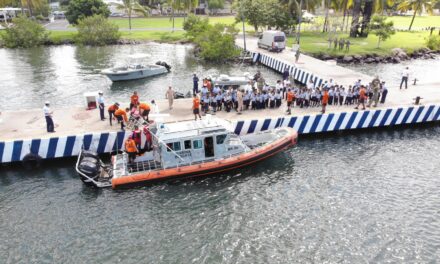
column 192, row 142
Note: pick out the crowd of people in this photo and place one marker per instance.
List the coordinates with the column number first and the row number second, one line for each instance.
column 258, row 95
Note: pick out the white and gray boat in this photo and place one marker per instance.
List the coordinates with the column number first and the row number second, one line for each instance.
column 135, row 70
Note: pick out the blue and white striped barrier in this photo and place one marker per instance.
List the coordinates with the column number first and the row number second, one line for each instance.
column 65, row 146
column 309, row 124
column 68, row 146
column 298, row 74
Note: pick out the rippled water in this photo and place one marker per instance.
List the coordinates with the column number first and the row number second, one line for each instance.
column 367, row 197
column 62, row 74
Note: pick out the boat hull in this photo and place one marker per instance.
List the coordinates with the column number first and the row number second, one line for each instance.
column 209, row 168
column 133, row 75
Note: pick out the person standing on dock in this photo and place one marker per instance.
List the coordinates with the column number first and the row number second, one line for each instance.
column 170, row 96
column 111, row 111
column 196, row 107
column 324, row 100
column 297, row 53
column 405, row 76
column 100, row 101
column 375, row 84
column 362, row 97
column 239, row 101
column 48, row 115
column 121, row 116
column 134, row 100
column 290, row 99
column 286, row 74
column 195, row 84
column 383, row 93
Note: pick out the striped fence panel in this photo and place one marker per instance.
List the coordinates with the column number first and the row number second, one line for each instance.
column 309, row 124
column 64, row 146
column 298, row 74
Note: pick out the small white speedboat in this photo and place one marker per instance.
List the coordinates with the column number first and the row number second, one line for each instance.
column 134, row 71
column 225, row 80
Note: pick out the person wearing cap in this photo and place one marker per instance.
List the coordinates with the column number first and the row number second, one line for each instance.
column 48, row 115
column 131, row 149
column 111, row 111
column 100, row 101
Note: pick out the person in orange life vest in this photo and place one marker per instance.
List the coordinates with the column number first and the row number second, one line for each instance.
column 144, row 110
column 111, row 111
column 136, row 135
column 324, row 100
column 196, row 107
column 148, row 137
column 290, row 99
column 131, row 149
column 134, row 100
column 121, row 116
column 362, row 97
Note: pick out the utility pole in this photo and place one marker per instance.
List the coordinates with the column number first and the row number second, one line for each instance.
column 244, row 30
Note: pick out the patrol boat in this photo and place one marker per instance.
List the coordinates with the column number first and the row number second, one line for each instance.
column 185, row 150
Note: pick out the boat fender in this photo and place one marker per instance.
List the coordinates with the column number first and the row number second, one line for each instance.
column 32, row 161
column 89, row 153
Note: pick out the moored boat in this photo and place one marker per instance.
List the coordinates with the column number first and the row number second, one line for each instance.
column 136, row 70
column 187, row 149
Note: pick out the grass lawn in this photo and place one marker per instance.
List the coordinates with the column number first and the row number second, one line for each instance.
column 164, row 22
column 166, row 36
column 315, row 43
column 419, row 21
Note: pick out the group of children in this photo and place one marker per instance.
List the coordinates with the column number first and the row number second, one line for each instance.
column 255, row 96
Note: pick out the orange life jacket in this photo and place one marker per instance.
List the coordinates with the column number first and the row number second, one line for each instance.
column 144, row 106
column 130, row 145
column 325, row 97
column 134, row 99
column 121, row 112
column 113, row 107
column 196, row 103
column 290, row 96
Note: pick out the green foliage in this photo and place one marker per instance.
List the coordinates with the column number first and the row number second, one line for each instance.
column 433, row 42
column 213, row 5
column 194, row 26
column 97, row 31
column 381, row 28
column 267, row 13
column 79, row 9
column 217, row 43
column 24, row 33
column 132, row 6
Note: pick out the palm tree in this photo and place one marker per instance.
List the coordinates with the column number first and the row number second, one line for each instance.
column 355, row 19
column 132, row 6
column 417, row 6
column 32, row 4
column 189, row 5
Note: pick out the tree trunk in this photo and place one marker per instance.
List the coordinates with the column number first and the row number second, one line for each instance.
column 129, row 19
column 29, row 6
column 173, row 17
column 414, row 16
column 378, row 43
column 355, row 19
column 345, row 14
column 366, row 17
column 324, row 28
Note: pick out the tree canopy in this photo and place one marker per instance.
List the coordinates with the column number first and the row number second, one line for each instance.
column 79, row 9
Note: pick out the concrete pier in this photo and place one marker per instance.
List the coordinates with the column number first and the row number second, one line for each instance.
column 23, row 132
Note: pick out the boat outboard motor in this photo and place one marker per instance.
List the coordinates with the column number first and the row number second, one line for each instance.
column 178, row 95
column 89, row 165
column 164, row 64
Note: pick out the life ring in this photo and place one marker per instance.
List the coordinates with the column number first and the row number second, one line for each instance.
column 32, row 161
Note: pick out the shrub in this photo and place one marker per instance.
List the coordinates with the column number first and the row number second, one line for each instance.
column 78, row 9
column 217, row 43
column 97, row 31
column 433, row 42
column 24, row 33
column 194, row 26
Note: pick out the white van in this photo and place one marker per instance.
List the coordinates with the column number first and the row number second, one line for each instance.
column 272, row 40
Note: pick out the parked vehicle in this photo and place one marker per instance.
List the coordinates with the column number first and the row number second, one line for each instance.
column 272, row 40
